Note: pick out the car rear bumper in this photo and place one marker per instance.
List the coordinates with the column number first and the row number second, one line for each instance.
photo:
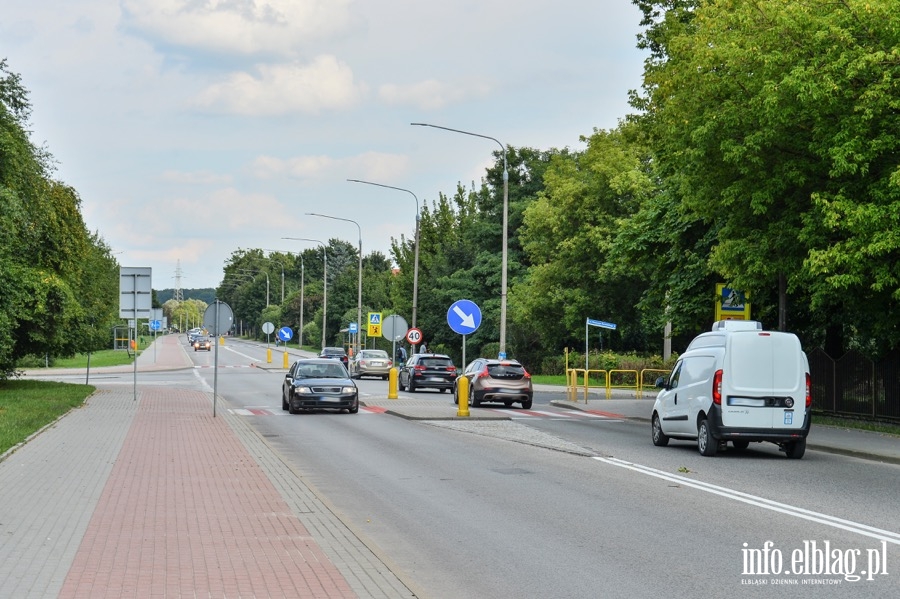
column 775, row 435
column 502, row 395
column 425, row 383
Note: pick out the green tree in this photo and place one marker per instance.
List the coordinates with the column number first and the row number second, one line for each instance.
column 48, row 300
column 774, row 122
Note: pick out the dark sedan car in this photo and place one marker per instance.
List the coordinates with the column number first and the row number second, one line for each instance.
column 335, row 353
column 202, row 343
column 435, row 371
column 318, row 383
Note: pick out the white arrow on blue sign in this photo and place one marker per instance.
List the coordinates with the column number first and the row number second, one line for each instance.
column 285, row 333
column 154, row 325
column 464, row 317
column 601, row 324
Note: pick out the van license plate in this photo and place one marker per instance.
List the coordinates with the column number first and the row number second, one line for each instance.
column 788, row 417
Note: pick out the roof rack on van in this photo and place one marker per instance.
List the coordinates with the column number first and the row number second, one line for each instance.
column 737, row 325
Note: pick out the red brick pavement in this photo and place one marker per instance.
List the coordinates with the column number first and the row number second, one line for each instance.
column 187, row 512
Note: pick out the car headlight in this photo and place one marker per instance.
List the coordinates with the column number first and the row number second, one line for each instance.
column 305, row 390
column 347, row 390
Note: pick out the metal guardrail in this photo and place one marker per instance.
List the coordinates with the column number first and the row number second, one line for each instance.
column 579, row 379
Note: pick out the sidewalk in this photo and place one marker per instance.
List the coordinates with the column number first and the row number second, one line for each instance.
column 155, row 497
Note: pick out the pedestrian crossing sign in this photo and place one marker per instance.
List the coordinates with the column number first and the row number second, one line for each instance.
column 731, row 304
column 374, row 324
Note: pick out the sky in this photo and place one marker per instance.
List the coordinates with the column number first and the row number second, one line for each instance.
column 195, row 128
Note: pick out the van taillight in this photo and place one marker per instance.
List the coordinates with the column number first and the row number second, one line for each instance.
column 808, row 392
column 717, row 388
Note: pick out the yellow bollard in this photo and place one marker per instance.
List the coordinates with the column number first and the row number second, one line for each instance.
column 392, row 383
column 221, row 340
column 285, row 361
column 462, row 393
column 268, row 355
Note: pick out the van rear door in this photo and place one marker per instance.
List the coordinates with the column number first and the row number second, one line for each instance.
column 764, row 381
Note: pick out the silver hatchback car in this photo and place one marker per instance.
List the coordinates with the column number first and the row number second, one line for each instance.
column 371, row 362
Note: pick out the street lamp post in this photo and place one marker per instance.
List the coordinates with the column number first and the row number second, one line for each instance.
column 324, row 283
column 267, row 281
column 359, row 285
column 505, row 229
column 415, row 303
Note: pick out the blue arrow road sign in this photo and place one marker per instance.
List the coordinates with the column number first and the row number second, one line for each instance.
column 464, row 317
column 154, row 325
column 285, row 333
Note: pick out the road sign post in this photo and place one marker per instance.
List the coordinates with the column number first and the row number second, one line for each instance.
column 590, row 322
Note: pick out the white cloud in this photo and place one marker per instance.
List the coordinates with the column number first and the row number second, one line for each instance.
column 430, row 94
column 196, row 178
column 245, row 27
column 324, row 84
column 369, row 165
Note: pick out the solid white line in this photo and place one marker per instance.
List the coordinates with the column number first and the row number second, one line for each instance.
column 848, row 525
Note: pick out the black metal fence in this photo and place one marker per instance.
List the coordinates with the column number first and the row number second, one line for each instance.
column 855, row 385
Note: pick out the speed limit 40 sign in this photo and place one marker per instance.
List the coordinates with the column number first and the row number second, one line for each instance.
column 414, row 336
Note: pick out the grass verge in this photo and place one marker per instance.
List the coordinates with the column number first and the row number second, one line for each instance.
column 854, row 423
column 28, row 406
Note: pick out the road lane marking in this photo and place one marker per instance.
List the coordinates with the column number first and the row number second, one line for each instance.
column 797, row 512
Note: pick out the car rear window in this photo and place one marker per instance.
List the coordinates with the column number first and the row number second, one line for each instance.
column 506, row 371
column 436, row 362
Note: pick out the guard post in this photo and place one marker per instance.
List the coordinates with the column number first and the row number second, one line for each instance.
column 462, row 397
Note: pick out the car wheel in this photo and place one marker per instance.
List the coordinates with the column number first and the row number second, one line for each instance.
column 795, row 449
column 526, row 405
column 741, row 444
column 354, row 409
column 291, row 409
column 472, row 401
column 284, row 403
column 400, row 383
column 412, row 386
column 456, row 395
column 507, row 403
column 660, row 439
column 705, row 442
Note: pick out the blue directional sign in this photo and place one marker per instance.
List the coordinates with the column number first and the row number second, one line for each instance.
column 602, row 324
column 285, row 333
column 464, row 317
column 154, row 325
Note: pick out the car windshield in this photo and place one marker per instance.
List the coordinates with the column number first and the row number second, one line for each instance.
column 320, row 371
column 373, row 355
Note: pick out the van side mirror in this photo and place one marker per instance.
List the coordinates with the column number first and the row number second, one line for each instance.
column 662, row 383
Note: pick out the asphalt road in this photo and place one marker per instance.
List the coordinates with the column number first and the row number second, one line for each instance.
column 549, row 505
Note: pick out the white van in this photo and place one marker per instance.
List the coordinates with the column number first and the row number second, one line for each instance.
column 736, row 383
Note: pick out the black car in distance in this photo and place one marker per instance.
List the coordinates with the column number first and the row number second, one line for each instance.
column 335, row 353
column 433, row 371
column 318, row 383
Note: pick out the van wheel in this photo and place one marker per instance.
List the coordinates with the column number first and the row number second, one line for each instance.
column 741, row 444
column 705, row 442
column 660, row 439
column 796, row 449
